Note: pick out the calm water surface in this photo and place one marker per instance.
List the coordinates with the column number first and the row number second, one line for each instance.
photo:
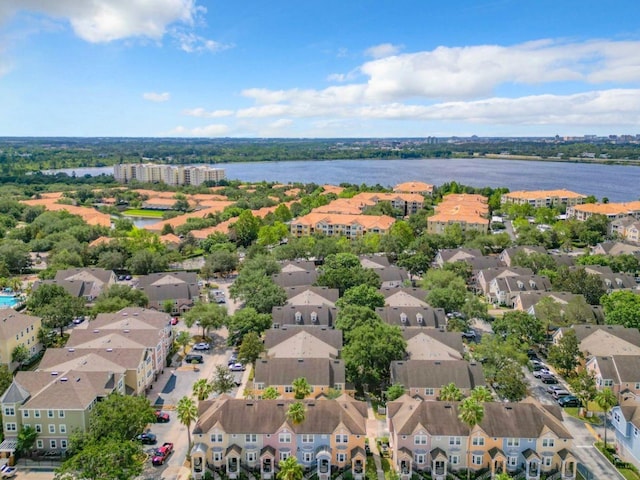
column 617, row 182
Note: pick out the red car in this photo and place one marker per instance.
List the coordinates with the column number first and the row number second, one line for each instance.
column 174, row 320
column 162, row 417
column 162, row 453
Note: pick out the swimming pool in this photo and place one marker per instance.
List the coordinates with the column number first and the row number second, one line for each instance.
column 8, row 301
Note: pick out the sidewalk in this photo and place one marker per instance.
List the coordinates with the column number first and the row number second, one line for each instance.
column 372, row 434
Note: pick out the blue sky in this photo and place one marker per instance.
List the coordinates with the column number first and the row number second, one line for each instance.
column 311, row 68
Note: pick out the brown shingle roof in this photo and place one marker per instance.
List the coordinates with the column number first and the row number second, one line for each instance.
column 283, row 371
column 436, row 374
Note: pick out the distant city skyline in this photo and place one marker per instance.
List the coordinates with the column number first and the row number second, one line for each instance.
column 195, row 68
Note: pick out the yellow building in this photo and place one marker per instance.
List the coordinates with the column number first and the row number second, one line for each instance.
column 609, row 210
column 350, row 226
column 17, row 329
column 544, row 198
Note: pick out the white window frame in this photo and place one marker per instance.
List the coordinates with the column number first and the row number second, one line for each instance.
column 477, row 441
column 454, row 459
column 216, row 438
column 284, row 455
column 63, row 444
column 11, row 427
column 512, row 461
column 53, row 443
column 547, row 460
column 39, row 444
column 36, row 413
column 307, row 438
column 49, row 413
column 419, row 458
column 476, row 459
column 25, row 413
column 341, row 457
column 62, row 428
column 288, row 389
column 513, row 442
column 52, row 428
column 307, row 457
column 250, row 438
column 455, row 441
column 420, row 440
column 548, row 442
column 284, row 438
column 217, row 456
column 38, row 427
column 429, row 392
column 342, row 438
column 9, row 412
column 251, row 457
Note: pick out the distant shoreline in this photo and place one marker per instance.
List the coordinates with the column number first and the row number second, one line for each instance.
column 535, row 158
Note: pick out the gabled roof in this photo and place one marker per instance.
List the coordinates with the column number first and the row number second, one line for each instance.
column 269, row 416
column 92, row 359
column 318, row 315
column 456, row 254
column 303, row 342
column 374, row 261
column 298, row 266
column 169, row 286
column 407, row 317
column 283, row 371
column 400, row 297
column 16, row 393
column 12, row 322
column 131, row 318
column 431, row 344
column 619, row 368
column 436, row 374
column 95, row 275
column 309, row 295
column 605, row 339
column 294, row 279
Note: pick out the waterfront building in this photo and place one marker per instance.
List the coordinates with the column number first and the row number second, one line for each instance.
column 169, row 174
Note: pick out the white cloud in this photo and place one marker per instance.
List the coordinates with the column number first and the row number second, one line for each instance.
column 191, row 43
column 156, row 97
column 214, row 130
column 202, row 113
column 107, row 20
column 382, row 50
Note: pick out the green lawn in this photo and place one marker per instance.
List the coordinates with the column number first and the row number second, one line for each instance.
column 140, row 212
column 629, row 474
column 574, row 412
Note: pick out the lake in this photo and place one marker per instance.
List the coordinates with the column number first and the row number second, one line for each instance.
column 617, row 182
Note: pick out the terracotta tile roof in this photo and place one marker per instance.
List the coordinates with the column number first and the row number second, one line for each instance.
column 382, row 222
column 222, row 227
column 101, row 241
column 608, row 208
column 542, row 194
column 413, row 187
column 170, row 238
column 389, row 197
column 88, row 214
column 333, row 189
column 346, row 206
column 182, row 219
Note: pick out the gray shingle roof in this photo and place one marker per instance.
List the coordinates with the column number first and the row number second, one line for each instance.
column 287, row 315
column 283, row 371
column 294, row 279
column 170, row 286
column 304, row 294
column 430, row 317
column 436, row 374
column 277, row 336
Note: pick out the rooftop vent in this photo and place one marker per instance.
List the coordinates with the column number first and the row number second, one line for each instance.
column 54, row 374
column 109, row 349
column 64, row 379
column 71, row 350
column 96, row 331
column 126, row 330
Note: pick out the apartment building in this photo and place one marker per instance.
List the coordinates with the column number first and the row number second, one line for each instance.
column 407, row 203
column 17, row 329
column 419, row 188
column 350, row 226
column 612, row 211
column 169, row 174
column 544, row 198
column 627, row 228
column 470, row 211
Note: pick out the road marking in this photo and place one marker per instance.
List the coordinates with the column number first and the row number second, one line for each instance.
column 592, row 431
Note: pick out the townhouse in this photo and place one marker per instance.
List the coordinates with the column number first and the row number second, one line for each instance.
column 312, row 315
column 295, row 278
column 616, row 248
column 86, row 283
column 544, row 198
column 610, row 280
column 17, row 329
column 431, row 344
column 322, row 374
column 484, row 276
column 425, row 378
column 55, row 404
column 231, row 434
column 523, row 438
column 303, row 342
column 404, row 297
column 508, row 254
column 449, row 255
column 528, row 301
column 307, row 295
column 350, row 226
column 413, row 317
column 626, row 228
column 504, row 290
column 407, row 203
column 612, row 211
column 178, row 288
column 602, row 340
column 620, row 373
column 625, row 419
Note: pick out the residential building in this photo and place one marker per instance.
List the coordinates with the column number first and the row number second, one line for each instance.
column 467, row 210
column 626, row 228
column 17, row 329
column 350, row 226
column 504, row 290
column 407, row 203
column 620, row 373
column 89, row 214
column 602, row 340
column 625, row 419
column 175, row 222
column 612, row 211
column 87, row 283
column 544, row 198
column 291, row 266
column 508, row 254
column 308, row 295
column 456, row 255
column 527, row 302
column 517, row 438
column 610, row 280
column 419, row 188
column 295, row 278
column 413, row 317
column 321, row 373
column 484, row 277
column 169, row 174
column 404, row 297
column 311, row 315
column 616, row 248
column 425, row 378
column 55, row 403
column 179, row 288
column 231, row 434
column 434, row 345
column 303, row 342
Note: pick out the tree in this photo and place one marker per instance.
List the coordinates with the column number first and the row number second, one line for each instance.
column 244, row 321
column 566, row 354
column 606, row 400
column 210, row 316
column 510, row 381
column 622, row 308
column 290, row 469
column 251, row 348
column 261, row 294
column 352, row 316
column 143, row 262
column 14, row 255
column 187, row 413
column 362, row 295
column 5, row 378
column 471, row 413
column 370, row 350
column 118, row 297
column 520, row 326
column 578, row 281
column 26, row 439
column 183, row 338
column 481, row 394
column 343, row 271
column 56, row 307
column 202, row 389
column 394, row 392
column 121, row 417
column 20, row 354
column 584, row 387
column 272, row 234
column 535, row 261
column 270, row 393
column 450, row 393
column 296, row 413
column 223, row 380
column 474, row 307
column 246, row 228
column 301, row 388
column 220, row 262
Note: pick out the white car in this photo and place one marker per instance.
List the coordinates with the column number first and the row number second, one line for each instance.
column 540, row 373
column 237, row 367
column 202, row 346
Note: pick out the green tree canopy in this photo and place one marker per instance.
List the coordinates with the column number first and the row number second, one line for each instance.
column 301, row 388
column 246, row 320
column 223, row 380
column 251, row 348
column 622, row 308
column 565, row 355
column 362, row 295
column 343, row 271
column 210, row 316
column 520, row 326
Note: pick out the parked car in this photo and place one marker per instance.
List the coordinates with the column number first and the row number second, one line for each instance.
column 174, row 320
column 548, row 379
column 78, row 320
column 469, row 335
column 569, row 401
column 162, row 453
column 560, row 393
column 540, row 373
column 191, row 358
column 237, row 367
column 128, row 277
column 202, row 346
column 147, row 438
column 553, row 388
column 536, row 365
column 162, row 417
column 232, row 359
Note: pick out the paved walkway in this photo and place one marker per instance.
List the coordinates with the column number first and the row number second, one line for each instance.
column 372, row 434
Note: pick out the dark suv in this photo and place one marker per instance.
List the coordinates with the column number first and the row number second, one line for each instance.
column 194, row 359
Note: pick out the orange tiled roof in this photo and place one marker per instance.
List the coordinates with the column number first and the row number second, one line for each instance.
column 538, row 194
column 292, row 192
column 389, row 197
column 333, row 189
column 346, row 206
column 609, row 208
column 222, row 227
column 164, row 202
column 182, row 219
column 101, row 241
column 171, row 239
column 409, row 187
column 89, row 215
column 382, row 222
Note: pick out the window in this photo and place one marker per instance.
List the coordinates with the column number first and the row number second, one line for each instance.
column 49, row 413
column 454, row 440
column 251, row 456
column 341, row 457
column 547, row 461
column 217, row 456
column 420, row 440
column 454, row 459
column 62, row 428
column 476, row 459
column 429, row 392
column 307, row 438
column 288, row 389
column 38, row 428
column 25, row 413
column 513, row 461
column 259, row 386
column 616, row 417
column 250, row 438
column 478, row 441
column 513, row 442
column 10, row 427
column 548, row 442
column 607, row 382
column 637, row 386
column 36, row 413
column 9, row 411
column 307, row 457
column 53, row 444
column 63, row 444
column 39, row 444
column 419, row 458
column 342, row 438
column 60, row 413
column 284, row 455
column 216, row 438
column 52, row 429
column 284, row 438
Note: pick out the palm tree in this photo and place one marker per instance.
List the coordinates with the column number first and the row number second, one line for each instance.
column 482, row 394
column 270, row 393
column 471, row 413
column 450, row 393
column 297, row 413
column 606, row 400
column 202, row 389
column 187, row 414
column 290, row 469
column 301, row 388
